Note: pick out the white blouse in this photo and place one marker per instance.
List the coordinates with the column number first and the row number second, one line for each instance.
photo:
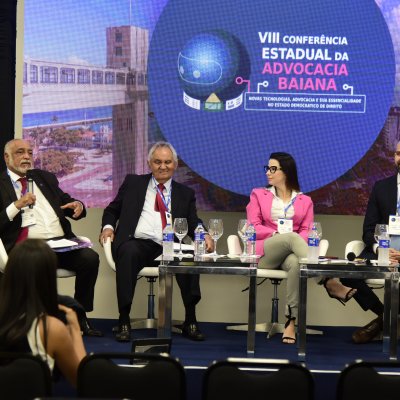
column 36, row 345
column 278, row 207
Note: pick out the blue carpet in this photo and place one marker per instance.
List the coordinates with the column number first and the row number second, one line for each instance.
column 327, row 354
column 332, row 350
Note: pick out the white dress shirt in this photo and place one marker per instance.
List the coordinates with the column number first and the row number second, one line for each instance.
column 149, row 225
column 47, row 224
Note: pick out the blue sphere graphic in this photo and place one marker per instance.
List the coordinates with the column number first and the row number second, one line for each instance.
column 210, row 62
column 202, row 47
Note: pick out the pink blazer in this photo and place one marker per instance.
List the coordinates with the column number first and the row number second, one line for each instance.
column 259, row 214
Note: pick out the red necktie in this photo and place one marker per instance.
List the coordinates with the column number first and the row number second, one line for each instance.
column 23, row 233
column 160, row 206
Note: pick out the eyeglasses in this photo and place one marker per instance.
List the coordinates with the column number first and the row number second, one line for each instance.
column 272, row 169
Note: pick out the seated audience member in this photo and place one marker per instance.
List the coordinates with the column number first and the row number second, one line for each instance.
column 383, row 202
column 29, row 313
column 41, row 212
column 134, row 221
column 282, row 216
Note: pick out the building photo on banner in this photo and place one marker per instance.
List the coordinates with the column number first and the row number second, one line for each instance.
column 301, row 95
column 227, row 86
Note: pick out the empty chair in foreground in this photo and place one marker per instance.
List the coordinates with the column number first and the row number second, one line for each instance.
column 369, row 381
column 151, row 377
column 24, row 377
column 257, row 379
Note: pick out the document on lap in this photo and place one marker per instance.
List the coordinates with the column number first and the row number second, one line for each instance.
column 63, row 245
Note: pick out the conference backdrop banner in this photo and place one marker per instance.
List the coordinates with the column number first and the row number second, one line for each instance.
column 227, row 83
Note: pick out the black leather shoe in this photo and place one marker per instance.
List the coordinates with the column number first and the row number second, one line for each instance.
column 192, row 331
column 123, row 333
column 87, row 329
column 368, row 332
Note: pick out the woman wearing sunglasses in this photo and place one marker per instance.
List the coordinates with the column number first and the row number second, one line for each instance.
column 282, row 215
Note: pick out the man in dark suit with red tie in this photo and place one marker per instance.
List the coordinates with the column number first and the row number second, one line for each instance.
column 42, row 213
column 134, row 221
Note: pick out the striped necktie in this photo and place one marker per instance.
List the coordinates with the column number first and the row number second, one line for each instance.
column 160, row 206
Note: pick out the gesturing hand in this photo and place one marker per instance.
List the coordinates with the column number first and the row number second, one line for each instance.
column 76, row 206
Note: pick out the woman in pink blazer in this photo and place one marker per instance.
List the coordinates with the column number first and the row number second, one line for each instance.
column 282, row 215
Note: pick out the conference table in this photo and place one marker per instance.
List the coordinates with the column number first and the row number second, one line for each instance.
column 345, row 269
column 169, row 266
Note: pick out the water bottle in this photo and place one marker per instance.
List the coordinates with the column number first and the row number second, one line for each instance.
column 199, row 240
column 168, row 241
column 383, row 249
column 313, row 246
column 251, row 240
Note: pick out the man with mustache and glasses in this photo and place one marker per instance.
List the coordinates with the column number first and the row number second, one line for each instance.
column 383, row 202
column 42, row 213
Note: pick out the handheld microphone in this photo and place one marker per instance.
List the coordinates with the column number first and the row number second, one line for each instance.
column 30, row 184
column 352, row 257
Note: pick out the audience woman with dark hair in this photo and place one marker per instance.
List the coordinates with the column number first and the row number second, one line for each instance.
column 30, row 318
column 282, row 216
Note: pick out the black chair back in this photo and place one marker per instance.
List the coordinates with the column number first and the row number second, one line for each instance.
column 151, row 377
column 24, row 376
column 257, row 379
column 361, row 380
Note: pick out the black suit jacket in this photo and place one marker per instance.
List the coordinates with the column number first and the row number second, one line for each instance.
column 127, row 207
column 48, row 184
column 382, row 203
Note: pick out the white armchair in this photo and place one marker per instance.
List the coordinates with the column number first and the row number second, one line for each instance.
column 151, row 275
column 61, row 273
column 275, row 276
column 66, row 273
column 3, row 257
column 356, row 247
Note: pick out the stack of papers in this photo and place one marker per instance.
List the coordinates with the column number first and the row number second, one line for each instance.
column 63, row 245
column 56, row 244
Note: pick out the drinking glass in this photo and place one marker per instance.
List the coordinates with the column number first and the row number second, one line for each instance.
column 215, row 230
column 242, row 227
column 316, row 226
column 379, row 229
column 180, row 230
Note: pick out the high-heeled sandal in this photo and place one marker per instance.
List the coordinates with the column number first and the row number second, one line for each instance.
column 289, row 320
column 350, row 293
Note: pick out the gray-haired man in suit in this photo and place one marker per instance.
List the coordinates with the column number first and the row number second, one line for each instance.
column 134, row 222
column 46, row 219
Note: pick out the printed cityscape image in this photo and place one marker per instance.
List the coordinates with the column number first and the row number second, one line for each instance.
column 86, row 105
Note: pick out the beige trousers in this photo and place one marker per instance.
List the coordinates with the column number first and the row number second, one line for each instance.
column 284, row 251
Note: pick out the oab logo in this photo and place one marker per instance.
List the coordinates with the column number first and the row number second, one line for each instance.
column 208, row 66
